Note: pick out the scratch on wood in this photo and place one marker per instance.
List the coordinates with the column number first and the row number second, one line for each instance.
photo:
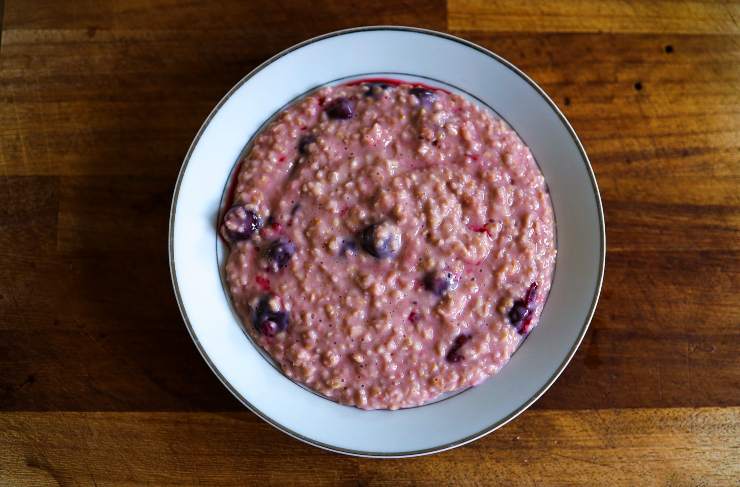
column 729, row 13
column 42, row 464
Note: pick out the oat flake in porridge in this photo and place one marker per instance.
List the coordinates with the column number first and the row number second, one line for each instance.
column 388, row 243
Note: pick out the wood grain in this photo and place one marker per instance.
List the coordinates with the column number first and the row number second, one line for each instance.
column 265, row 18
column 677, row 447
column 99, row 383
column 681, row 17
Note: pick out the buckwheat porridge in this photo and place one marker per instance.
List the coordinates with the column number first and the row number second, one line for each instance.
column 388, row 243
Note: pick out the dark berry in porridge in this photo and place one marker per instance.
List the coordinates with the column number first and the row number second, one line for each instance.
column 240, row 223
column 440, row 282
column 381, row 240
column 341, row 108
column 269, row 317
column 305, row 142
column 374, row 89
column 279, row 254
column 454, row 355
column 425, row 96
column 518, row 312
column 348, row 247
column 521, row 312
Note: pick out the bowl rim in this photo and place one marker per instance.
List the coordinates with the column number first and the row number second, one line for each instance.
column 499, row 423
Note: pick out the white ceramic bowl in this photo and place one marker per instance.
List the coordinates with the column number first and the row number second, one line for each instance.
column 436, row 59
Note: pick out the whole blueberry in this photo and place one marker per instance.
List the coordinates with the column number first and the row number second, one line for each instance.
column 440, row 282
column 341, row 109
column 269, row 319
column 374, row 88
column 304, row 142
column 279, row 254
column 518, row 312
column 381, row 240
column 240, row 223
column 426, row 97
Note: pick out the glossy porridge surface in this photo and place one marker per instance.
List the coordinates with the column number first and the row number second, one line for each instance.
column 388, row 243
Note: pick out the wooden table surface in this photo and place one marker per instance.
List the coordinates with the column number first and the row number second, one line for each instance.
column 100, row 383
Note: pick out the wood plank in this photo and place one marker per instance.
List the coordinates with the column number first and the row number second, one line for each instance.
column 29, row 207
column 93, row 210
column 87, row 314
column 70, row 369
column 113, row 103
column 271, row 18
column 664, row 227
column 615, row 447
column 79, row 252
column 641, row 16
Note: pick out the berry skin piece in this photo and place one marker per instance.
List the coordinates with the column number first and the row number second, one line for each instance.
column 454, row 355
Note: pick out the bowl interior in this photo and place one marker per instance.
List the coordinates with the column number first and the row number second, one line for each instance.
column 435, row 59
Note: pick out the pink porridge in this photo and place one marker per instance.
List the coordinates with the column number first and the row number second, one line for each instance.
column 388, row 243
